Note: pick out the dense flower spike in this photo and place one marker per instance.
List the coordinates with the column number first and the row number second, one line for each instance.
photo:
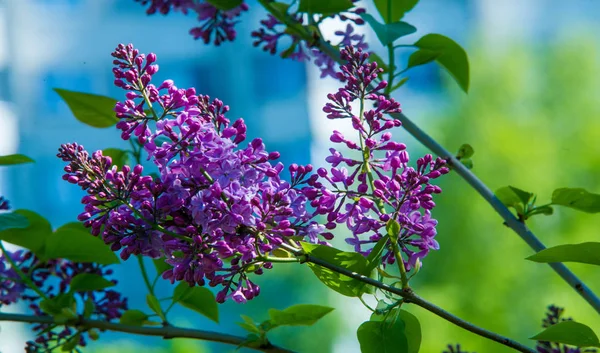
column 374, row 184
column 554, row 315
column 216, row 209
column 216, row 23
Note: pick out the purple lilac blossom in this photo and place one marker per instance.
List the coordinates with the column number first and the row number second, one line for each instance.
column 216, row 208
column 108, row 305
column 554, row 315
column 272, row 30
column 215, row 23
column 11, row 286
column 404, row 193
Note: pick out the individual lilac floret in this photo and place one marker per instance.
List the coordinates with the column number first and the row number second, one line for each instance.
column 554, row 315
column 215, row 209
column 372, row 182
column 217, row 24
column 11, row 286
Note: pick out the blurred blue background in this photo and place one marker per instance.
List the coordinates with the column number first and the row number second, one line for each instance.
column 531, row 114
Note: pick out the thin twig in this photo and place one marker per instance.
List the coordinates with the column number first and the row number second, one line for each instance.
column 166, row 332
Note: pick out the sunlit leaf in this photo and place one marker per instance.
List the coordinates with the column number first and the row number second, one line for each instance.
column 80, row 246
column 13, row 159
column 199, row 299
column 382, row 337
column 577, row 198
column 119, row 157
column 586, row 253
column 452, row 56
column 32, row 237
column 388, row 33
column 569, row 332
column 91, row 109
column 349, row 260
column 398, row 9
column 301, row 314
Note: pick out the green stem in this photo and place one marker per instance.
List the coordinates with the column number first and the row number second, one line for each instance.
column 149, row 286
column 401, row 268
column 166, row 332
column 22, row 275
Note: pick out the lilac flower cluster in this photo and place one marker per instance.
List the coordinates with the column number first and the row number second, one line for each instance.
column 554, row 315
column 11, row 287
column 107, row 304
column 53, row 279
column 387, row 188
column 215, row 210
column 216, row 23
column 272, row 31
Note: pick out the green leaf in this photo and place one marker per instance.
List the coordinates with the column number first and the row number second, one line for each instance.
column 13, row 159
column 91, row 109
column 382, row 337
column 452, row 56
column 422, row 57
column 11, row 220
column 349, row 260
column 119, row 157
column 301, row 314
column 54, row 306
column 199, row 299
column 374, row 258
column 465, row 151
column 388, row 33
column 577, row 198
column 393, row 229
column 585, row 253
column 514, row 197
column 88, row 307
column 154, row 305
column 569, row 332
column 71, row 343
column 161, row 266
column 134, row 318
column 32, row 237
column 380, row 63
column 88, row 282
column 412, row 331
column 398, row 9
column 80, row 246
column 545, row 210
column 249, row 325
column 225, row 4
column 324, row 7
column 281, row 7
